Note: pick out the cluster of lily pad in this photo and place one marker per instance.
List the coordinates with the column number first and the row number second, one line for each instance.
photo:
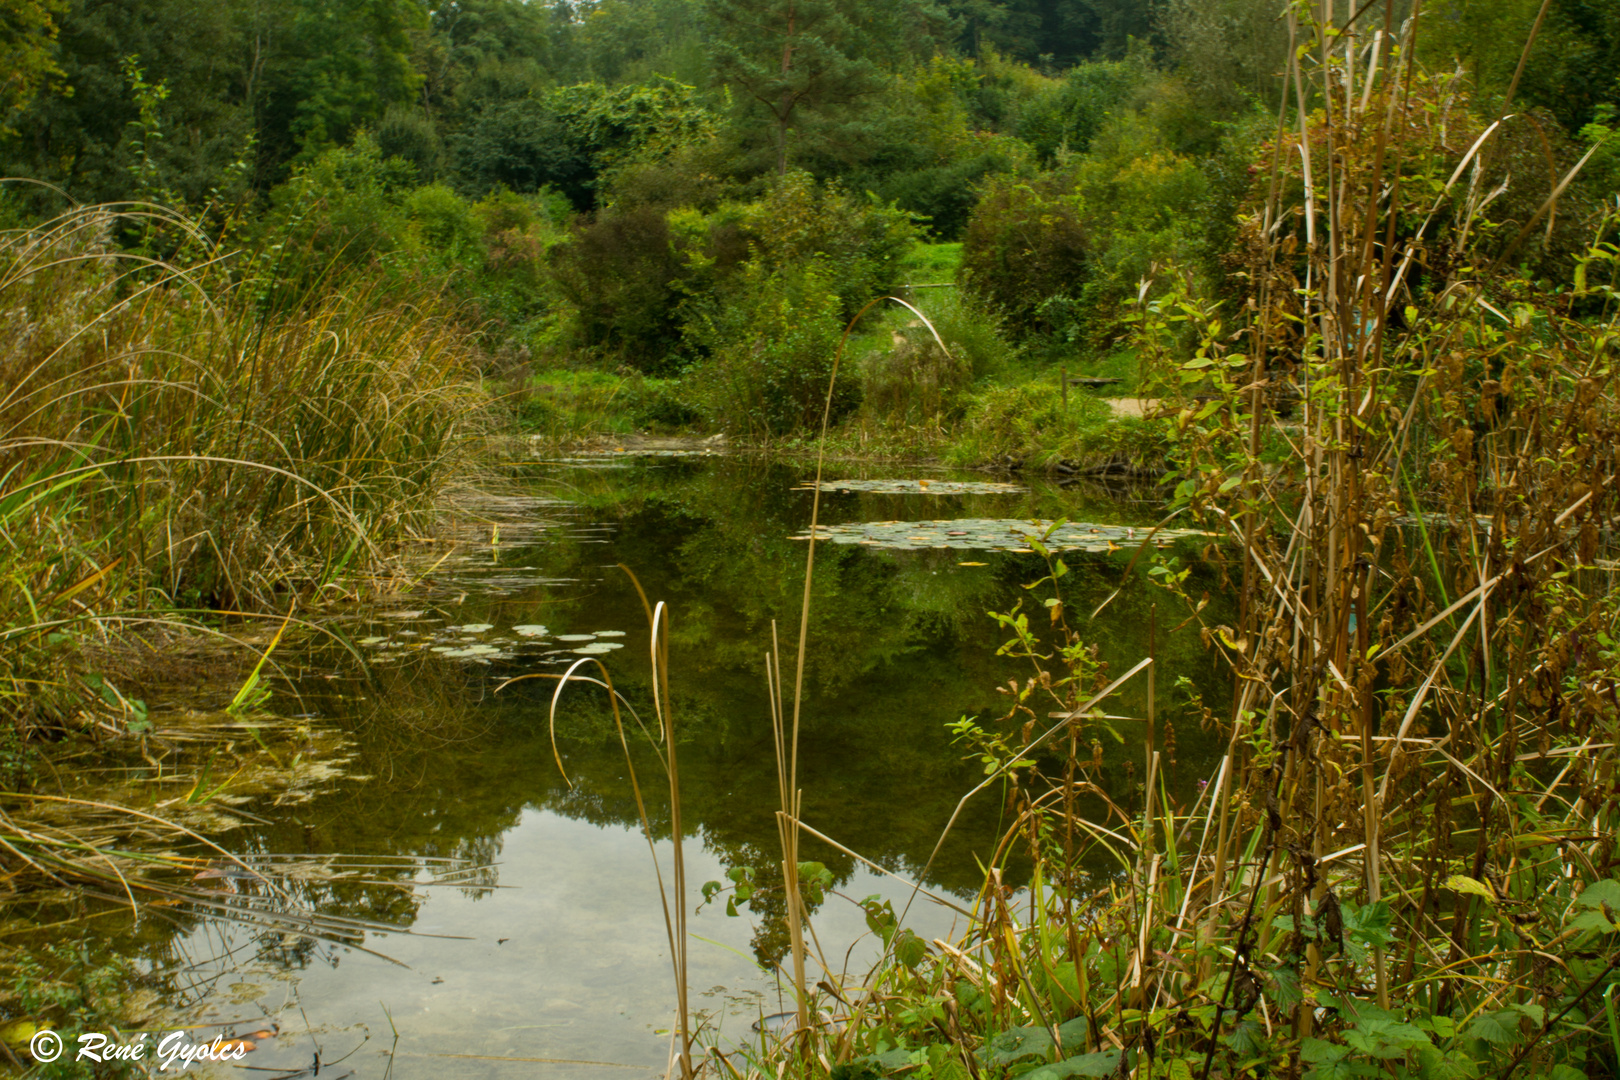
column 997, row 534
column 918, row 487
column 469, row 641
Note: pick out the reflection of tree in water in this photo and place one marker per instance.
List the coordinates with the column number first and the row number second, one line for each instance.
column 899, row 646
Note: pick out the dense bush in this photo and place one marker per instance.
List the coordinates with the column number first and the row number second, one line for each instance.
column 771, row 352
column 645, row 281
column 1067, row 117
column 572, row 137
column 623, row 276
column 1027, row 242
column 911, row 380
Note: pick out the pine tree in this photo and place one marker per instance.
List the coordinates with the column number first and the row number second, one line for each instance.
column 796, row 59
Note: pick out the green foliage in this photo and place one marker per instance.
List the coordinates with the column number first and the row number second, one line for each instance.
column 771, row 351
column 1026, row 243
column 26, row 53
column 648, row 285
column 1029, row 426
column 803, row 66
column 1068, row 116
column 67, row 988
column 570, row 138
column 913, row 381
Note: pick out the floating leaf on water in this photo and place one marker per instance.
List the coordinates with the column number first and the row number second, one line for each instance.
column 372, row 640
column 472, row 628
column 597, row 647
column 530, row 630
column 995, row 534
column 403, row 614
column 451, row 652
column 576, row 637
column 610, row 633
column 918, row 487
column 972, row 564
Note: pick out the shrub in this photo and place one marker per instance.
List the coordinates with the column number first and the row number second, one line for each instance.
column 442, row 222
column 1027, row 242
column 771, row 352
column 973, row 332
column 913, row 380
column 1029, row 425
column 859, row 241
column 622, row 274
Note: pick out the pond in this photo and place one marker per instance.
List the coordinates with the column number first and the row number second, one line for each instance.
column 530, row 933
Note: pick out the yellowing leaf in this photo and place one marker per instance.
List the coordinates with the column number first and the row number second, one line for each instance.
column 972, row 564
column 1464, row 884
column 18, row 1032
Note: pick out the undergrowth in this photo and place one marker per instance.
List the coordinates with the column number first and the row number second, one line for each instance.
column 179, row 441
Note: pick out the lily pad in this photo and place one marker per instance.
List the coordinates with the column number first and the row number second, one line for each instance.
column 996, row 534
column 596, row 648
column 470, row 652
column 576, row 637
column 472, row 628
column 610, row 633
column 530, row 630
column 918, row 487
column 372, row 640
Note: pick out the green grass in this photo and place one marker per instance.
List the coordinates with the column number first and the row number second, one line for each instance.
column 170, row 440
column 930, row 263
column 563, row 405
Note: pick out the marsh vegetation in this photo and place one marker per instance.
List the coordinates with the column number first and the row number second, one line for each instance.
column 1297, row 760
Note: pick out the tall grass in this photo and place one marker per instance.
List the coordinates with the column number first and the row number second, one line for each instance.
column 172, row 441
column 1403, row 864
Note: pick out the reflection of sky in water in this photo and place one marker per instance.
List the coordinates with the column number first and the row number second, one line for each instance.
column 900, row 646
column 583, row 975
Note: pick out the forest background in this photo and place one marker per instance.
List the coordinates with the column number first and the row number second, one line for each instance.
column 658, row 215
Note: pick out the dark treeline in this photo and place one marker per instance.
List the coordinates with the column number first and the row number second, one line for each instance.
column 705, row 189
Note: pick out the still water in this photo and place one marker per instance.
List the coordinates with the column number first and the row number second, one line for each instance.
column 531, row 937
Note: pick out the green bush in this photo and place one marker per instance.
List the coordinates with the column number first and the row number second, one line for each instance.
column 442, row 222
column 860, row 241
column 1027, row 242
column 623, row 275
column 973, row 332
column 644, row 279
column 771, row 351
column 912, row 380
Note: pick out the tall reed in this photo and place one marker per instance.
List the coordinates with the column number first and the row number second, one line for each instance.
column 171, row 442
column 1404, row 862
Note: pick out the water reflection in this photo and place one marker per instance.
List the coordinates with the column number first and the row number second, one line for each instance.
column 566, row 952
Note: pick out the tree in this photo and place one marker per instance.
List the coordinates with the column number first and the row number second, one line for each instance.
column 27, row 34
column 811, row 59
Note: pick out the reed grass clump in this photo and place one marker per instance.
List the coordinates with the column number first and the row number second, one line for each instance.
column 172, row 443
column 1404, row 862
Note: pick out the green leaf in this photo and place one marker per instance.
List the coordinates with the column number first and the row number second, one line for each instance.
column 1598, row 893
column 1102, row 1063
column 1495, row 1028
column 1014, row 1043
column 1247, row 1039
column 1316, row 1051
column 910, row 949
column 1073, row 1032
